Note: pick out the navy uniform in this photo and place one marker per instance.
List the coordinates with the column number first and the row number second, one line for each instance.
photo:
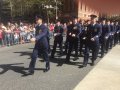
column 58, row 39
column 48, row 38
column 92, row 42
column 69, row 28
column 104, row 39
column 41, row 47
column 112, row 33
column 117, row 27
column 119, row 35
column 81, row 36
column 73, row 40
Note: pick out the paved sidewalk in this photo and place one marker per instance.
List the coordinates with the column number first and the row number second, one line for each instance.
column 106, row 74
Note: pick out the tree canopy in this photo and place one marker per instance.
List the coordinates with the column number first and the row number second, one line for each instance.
column 25, row 9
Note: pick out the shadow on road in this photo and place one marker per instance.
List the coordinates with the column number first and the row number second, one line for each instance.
column 27, row 53
column 18, row 69
column 58, row 59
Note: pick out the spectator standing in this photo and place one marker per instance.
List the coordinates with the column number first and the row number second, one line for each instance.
column 1, row 37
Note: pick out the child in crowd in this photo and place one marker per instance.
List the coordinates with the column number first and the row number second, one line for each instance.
column 16, row 38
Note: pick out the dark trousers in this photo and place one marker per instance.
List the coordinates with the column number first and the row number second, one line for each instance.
column 115, row 39
column 119, row 38
column 72, row 45
column 111, row 41
column 57, row 42
column 36, row 51
column 82, row 42
column 66, row 45
column 104, row 46
column 95, row 50
column 49, row 49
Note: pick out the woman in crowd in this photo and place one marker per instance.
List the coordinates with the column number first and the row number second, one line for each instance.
column 1, row 37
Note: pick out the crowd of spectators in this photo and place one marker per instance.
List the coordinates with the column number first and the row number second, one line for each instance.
column 13, row 33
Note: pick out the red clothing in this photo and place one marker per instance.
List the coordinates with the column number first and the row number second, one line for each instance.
column 51, row 27
column 1, row 36
column 17, row 31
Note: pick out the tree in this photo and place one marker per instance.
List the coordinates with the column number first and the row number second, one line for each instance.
column 23, row 9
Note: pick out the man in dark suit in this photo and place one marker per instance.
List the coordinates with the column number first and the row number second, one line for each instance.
column 74, row 32
column 112, row 33
column 58, row 38
column 104, row 39
column 41, row 45
column 117, row 27
column 82, row 34
column 94, row 31
column 69, row 28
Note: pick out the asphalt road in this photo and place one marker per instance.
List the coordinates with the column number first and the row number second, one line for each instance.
column 14, row 62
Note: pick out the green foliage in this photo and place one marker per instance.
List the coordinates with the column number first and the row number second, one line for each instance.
column 29, row 8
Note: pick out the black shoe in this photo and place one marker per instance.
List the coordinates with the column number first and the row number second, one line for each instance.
column 84, row 65
column 110, row 48
column 106, row 51
column 64, row 52
column 81, row 55
column 75, row 59
column 61, row 53
column 76, row 55
column 67, row 61
column 31, row 72
column 102, row 56
column 92, row 64
column 47, row 67
column 52, row 56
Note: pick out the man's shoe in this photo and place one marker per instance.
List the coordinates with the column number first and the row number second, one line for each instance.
column 84, row 65
column 67, row 61
column 31, row 72
column 52, row 57
column 92, row 64
column 47, row 69
column 65, row 52
column 102, row 56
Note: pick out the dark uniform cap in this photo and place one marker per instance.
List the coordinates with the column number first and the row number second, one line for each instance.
column 39, row 17
column 93, row 16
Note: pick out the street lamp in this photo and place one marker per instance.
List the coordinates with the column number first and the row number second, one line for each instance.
column 56, row 10
column 48, row 7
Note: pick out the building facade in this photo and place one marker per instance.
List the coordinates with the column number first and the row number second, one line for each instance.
column 78, row 9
